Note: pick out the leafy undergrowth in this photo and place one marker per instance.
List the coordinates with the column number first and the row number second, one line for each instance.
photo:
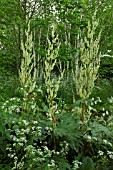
column 29, row 140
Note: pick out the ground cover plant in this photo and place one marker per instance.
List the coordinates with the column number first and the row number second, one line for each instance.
column 55, row 114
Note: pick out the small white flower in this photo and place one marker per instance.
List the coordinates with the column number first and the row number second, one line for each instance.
column 103, row 109
column 25, row 122
column 109, row 50
column 46, row 128
column 14, row 144
column 33, row 128
column 110, row 144
column 39, row 127
column 88, row 137
column 17, row 110
column 15, row 158
column 46, row 148
column 107, row 113
column 3, row 107
column 109, row 152
column 99, row 99
column 94, row 138
column 105, row 141
column 35, row 122
column 95, row 102
column 57, row 112
column 14, row 138
column 111, row 156
column 58, row 153
column 50, row 119
column 100, row 153
column 49, row 165
column 103, row 114
column 9, row 155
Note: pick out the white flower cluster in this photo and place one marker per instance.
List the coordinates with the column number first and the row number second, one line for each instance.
column 52, row 164
column 110, row 153
column 64, row 148
column 95, row 101
column 100, row 153
column 18, row 165
column 18, row 135
column 39, row 154
column 49, row 130
column 107, row 142
column 88, row 137
column 76, row 164
column 11, row 105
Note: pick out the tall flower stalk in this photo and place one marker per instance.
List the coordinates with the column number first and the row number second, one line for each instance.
column 27, row 73
column 52, row 84
column 89, row 62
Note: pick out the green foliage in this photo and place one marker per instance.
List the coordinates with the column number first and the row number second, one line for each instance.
column 29, row 139
column 8, row 86
column 106, row 67
column 99, row 137
column 68, row 128
column 104, row 91
column 87, row 163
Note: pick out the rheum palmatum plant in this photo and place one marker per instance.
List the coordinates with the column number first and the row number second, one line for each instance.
column 27, row 73
column 89, row 60
column 52, row 85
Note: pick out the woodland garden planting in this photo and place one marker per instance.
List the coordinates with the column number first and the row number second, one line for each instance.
column 56, row 85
